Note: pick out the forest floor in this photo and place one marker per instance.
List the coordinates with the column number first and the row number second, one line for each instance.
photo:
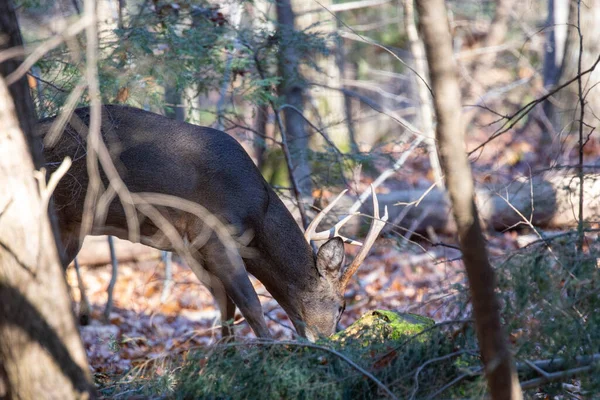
column 398, row 274
column 142, row 328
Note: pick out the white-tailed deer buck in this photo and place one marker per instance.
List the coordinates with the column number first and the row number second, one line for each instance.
column 154, row 154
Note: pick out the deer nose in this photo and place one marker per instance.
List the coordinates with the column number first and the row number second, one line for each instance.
column 311, row 336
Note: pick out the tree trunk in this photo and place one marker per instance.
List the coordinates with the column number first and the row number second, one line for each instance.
column 425, row 110
column 174, row 101
column 562, row 111
column 340, row 60
column 41, row 354
column 479, row 81
column 502, row 379
column 291, row 90
column 260, row 142
column 556, row 36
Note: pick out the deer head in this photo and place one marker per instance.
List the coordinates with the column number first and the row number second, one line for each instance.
column 324, row 307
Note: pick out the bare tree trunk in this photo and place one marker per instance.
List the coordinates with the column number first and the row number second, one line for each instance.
column 174, row 101
column 502, row 379
column 260, row 126
column 291, row 90
column 425, row 106
column 495, row 37
column 24, row 108
column 340, row 60
column 556, row 36
column 41, row 354
column 562, row 109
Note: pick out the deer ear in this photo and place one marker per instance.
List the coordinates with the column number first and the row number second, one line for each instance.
column 330, row 258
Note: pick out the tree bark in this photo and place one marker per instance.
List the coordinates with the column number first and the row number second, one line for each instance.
column 501, row 375
column 291, row 90
column 174, row 100
column 260, row 126
column 10, row 36
column 562, row 109
column 425, row 110
column 41, row 354
column 495, row 37
column 556, row 35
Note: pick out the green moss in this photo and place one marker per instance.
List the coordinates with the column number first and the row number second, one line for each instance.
column 383, row 325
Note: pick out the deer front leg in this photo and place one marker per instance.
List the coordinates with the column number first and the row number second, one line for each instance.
column 231, row 273
column 227, row 308
column 68, row 248
column 225, row 304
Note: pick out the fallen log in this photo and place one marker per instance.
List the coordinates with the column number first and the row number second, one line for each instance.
column 545, row 201
column 95, row 251
column 548, row 201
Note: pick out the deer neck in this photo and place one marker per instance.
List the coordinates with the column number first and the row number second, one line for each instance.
column 285, row 263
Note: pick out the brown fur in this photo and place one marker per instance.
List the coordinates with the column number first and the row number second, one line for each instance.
column 156, row 154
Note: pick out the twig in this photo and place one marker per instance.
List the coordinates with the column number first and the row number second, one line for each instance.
column 431, row 361
column 513, row 119
column 13, row 52
column 290, row 166
column 113, row 278
column 416, row 335
column 399, row 218
column 417, row 222
column 556, row 363
column 46, row 189
column 58, row 126
column 327, row 139
column 96, row 147
column 339, row 355
column 536, row 368
column 167, row 258
column 48, row 83
column 357, row 36
column 448, row 385
column 533, row 383
column 581, row 237
column 376, row 107
column 338, row 154
column 71, row 30
column 208, row 219
column 385, row 175
column 84, row 303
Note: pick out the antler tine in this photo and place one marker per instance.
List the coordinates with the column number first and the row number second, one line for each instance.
column 335, row 231
column 312, row 227
column 376, row 227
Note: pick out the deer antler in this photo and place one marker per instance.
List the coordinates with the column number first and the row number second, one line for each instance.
column 376, row 227
column 311, row 233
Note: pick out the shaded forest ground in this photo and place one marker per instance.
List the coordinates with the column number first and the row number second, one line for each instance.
column 142, row 328
column 407, row 276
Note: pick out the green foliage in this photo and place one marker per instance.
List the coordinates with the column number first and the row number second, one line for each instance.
column 274, row 168
column 551, row 303
column 393, row 348
column 187, row 46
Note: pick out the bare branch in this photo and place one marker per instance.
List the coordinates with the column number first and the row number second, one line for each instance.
column 46, row 189
column 71, row 30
